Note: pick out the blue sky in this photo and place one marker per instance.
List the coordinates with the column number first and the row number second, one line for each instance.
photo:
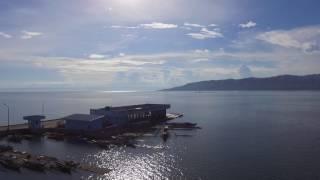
column 148, row 45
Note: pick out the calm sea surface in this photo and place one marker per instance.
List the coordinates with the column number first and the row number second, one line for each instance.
column 246, row 135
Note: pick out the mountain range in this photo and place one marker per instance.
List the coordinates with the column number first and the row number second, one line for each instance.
column 282, row 82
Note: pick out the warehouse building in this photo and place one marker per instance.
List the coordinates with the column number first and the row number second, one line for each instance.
column 125, row 114
column 119, row 116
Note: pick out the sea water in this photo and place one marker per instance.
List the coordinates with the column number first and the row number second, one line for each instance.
column 245, row 135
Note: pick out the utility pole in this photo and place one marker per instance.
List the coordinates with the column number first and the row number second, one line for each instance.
column 42, row 108
column 8, row 115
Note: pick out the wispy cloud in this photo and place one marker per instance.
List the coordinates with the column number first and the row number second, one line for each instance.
column 178, row 28
column 306, row 39
column 212, row 25
column 124, row 27
column 96, row 56
column 249, row 24
column 206, row 34
column 156, row 70
column 158, row 25
column 193, row 25
column 153, row 25
column 5, row 35
column 30, row 34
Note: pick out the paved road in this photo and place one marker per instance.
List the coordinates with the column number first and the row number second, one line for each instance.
column 45, row 124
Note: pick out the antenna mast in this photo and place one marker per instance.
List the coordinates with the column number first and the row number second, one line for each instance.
column 42, row 108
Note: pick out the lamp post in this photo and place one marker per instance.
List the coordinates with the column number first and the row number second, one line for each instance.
column 8, row 115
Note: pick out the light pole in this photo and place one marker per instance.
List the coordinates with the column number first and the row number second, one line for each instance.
column 8, row 115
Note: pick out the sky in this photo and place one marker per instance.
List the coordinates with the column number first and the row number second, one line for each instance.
column 149, row 45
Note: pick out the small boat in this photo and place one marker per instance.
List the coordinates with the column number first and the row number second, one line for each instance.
column 183, row 125
column 165, row 133
column 183, row 135
column 165, row 136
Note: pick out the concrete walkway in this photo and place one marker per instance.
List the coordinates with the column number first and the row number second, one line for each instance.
column 46, row 124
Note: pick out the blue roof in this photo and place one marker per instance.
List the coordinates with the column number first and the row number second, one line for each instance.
column 34, row 117
column 136, row 107
column 83, row 117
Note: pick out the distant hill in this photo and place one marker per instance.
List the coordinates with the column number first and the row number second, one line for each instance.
column 283, row 82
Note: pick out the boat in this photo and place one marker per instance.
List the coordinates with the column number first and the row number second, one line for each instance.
column 165, row 133
column 183, row 135
column 183, row 125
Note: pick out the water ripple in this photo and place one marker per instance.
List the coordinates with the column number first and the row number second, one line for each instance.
column 145, row 162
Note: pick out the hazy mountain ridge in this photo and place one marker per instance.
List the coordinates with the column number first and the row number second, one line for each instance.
column 282, row 82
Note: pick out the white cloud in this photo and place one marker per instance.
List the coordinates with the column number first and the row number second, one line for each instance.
column 249, row 24
column 306, row 39
column 134, row 62
column 30, row 34
column 200, row 60
column 124, row 27
column 279, row 38
column 158, row 25
column 5, row 35
column 206, row 34
column 202, row 51
column 212, row 25
column 122, row 54
column 153, row 25
column 193, row 25
column 116, row 26
column 153, row 70
column 175, row 68
column 96, row 56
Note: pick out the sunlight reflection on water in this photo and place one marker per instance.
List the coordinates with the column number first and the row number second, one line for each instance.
column 148, row 164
